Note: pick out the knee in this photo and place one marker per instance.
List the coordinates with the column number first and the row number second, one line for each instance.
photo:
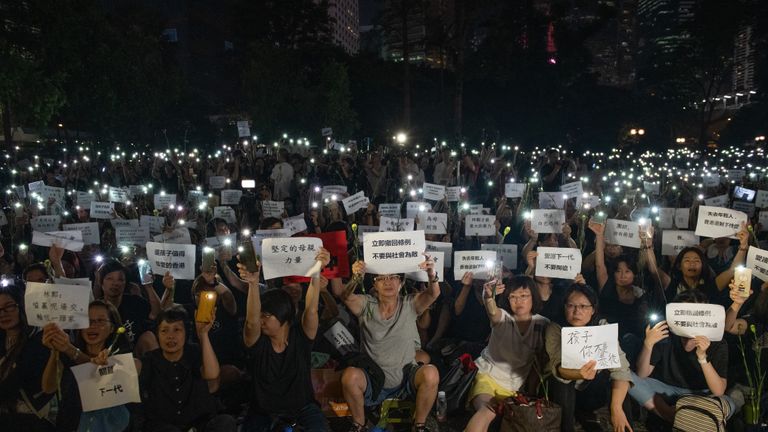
column 430, row 376
column 353, row 378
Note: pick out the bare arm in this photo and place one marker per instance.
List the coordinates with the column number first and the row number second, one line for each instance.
column 252, row 327
column 210, row 370
column 354, row 302
column 227, row 299
column 600, row 270
column 723, row 279
column 423, row 300
column 310, row 320
column 653, row 335
column 489, row 300
column 461, row 299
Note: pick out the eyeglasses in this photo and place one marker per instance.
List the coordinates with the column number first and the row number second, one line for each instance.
column 11, row 308
column 99, row 322
column 386, row 278
column 580, row 307
column 520, row 298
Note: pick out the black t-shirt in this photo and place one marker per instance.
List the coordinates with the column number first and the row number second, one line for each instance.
column 224, row 334
column 282, row 382
column 677, row 367
column 472, row 325
column 134, row 311
column 553, row 307
column 557, row 181
column 631, row 317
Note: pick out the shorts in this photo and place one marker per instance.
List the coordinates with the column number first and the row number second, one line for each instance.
column 484, row 384
column 407, row 387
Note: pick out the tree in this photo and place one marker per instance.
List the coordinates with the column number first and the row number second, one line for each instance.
column 336, row 100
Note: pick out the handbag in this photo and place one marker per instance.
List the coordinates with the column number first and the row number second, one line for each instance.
column 457, row 382
column 695, row 413
column 524, row 414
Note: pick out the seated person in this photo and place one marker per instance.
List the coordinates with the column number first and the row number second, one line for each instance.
column 678, row 366
column 387, row 329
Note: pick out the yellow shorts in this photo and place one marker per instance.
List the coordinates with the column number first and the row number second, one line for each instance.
column 484, row 384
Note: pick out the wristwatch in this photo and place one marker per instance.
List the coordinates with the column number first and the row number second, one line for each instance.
column 703, row 360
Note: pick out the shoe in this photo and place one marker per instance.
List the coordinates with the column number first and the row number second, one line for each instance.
column 588, row 421
column 355, row 427
column 420, row 427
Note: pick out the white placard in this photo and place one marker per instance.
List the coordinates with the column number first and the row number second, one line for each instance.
column 761, row 199
column 90, row 230
column 225, row 212
column 35, row 186
column 507, row 253
column 231, row 196
column 718, row 201
column 560, row 263
column 117, row 194
column 745, row 207
column 85, row 282
column 673, row 241
column 763, row 220
column 551, row 200
column 258, row 237
column 393, row 252
column 162, row 201
column 651, row 188
column 433, row 223
column 389, row 210
column 117, row 223
column 155, row 223
column 580, row 345
column 65, row 305
column 479, row 262
column 138, row 235
column 621, row 232
column 179, row 259
column 355, row 202
column 48, row 192
column 331, row 190
column 295, row 224
column 387, row 224
column 114, row 384
column 591, row 200
column 45, row 223
column 243, row 129
column 421, row 275
column 573, row 189
column 667, row 218
column 229, row 240
column 719, row 222
column 444, row 247
column 136, row 190
column 696, row 319
column 362, row 230
column 274, row 209
column 102, row 210
column 69, row 240
column 341, row 338
column 414, row 208
column 453, row 193
column 217, row 182
column 711, row 180
column 433, row 192
column 757, row 260
column 84, row 199
column 480, row 225
column 547, row 221
column 736, row 174
column 177, row 236
column 514, row 190
column 682, row 218
column 290, row 256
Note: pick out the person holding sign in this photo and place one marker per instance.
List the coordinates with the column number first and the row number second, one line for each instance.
column 517, row 340
column 667, row 369
column 387, row 330
column 579, row 392
column 279, row 353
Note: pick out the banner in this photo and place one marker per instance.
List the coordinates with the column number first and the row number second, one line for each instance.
column 673, row 241
column 547, row 221
column 65, row 305
column 45, row 223
column 387, row 224
column 331, row 190
column 651, row 188
column 711, row 180
column 757, row 260
column 761, row 199
column 667, row 218
column 394, row 252
column 573, row 190
column 114, row 384
column 580, row 345
column 480, row 262
column 621, row 232
column 480, row 225
column 696, row 319
column 243, row 129
column 84, row 199
column 719, row 222
column 231, row 196
column 69, row 240
column 179, row 259
column 718, row 201
column 90, row 230
column 744, row 207
column 102, row 210
column 433, row 223
column 507, row 253
column 117, row 223
column 559, row 263
column 433, row 192
column 290, row 257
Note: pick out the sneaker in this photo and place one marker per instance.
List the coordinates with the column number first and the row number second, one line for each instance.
column 420, row 427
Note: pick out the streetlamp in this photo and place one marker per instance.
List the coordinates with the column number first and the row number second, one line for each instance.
column 401, row 138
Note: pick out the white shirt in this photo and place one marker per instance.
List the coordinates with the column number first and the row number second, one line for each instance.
column 282, row 175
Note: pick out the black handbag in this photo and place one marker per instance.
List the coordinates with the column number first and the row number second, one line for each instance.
column 522, row 414
column 457, row 382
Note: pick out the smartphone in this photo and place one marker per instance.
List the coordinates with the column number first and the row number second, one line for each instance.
column 205, row 306
column 742, row 278
column 599, row 217
column 248, row 184
column 145, row 272
column 654, row 318
column 248, row 256
column 209, row 260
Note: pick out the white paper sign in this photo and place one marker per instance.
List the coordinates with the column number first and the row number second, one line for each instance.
column 117, row 223
column 179, row 259
column 395, row 224
column 118, row 194
column 433, row 223
column 580, row 345
column 35, row 186
column 414, row 208
column 574, row 189
column 243, row 129
column 295, row 224
column 272, row 209
column 719, row 222
column 114, row 384
column 551, row 200
column 560, row 263
column 757, row 260
column 547, row 221
column 362, row 230
column 258, row 237
column 231, row 196
column 50, row 192
column 621, row 232
column 341, row 338
column 331, row 190
column 90, row 230
column 667, row 218
column 290, row 256
column 514, row 190
column 745, row 207
column 718, row 201
column 736, row 174
column 421, row 275
column 651, row 188
column 355, row 202
column 217, row 182
column 444, row 247
column 389, row 210
column 65, row 305
column 102, row 210
column 229, row 240
column 155, row 223
column 761, row 199
column 711, row 180
column 433, row 192
column 45, row 223
column 507, row 253
column 225, row 212
column 84, row 199
column 696, row 319
column 480, row 225
column 138, row 235
column 682, row 218
column 480, row 262
column 393, row 252
column 69, row 240
column 177, row 236
column 162, row 201
column 673, row 241
column 453, row 193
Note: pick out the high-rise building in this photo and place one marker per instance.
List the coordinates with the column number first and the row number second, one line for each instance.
column 662, row 35
column 419, row 21
column 743, row 61
column 345, row 24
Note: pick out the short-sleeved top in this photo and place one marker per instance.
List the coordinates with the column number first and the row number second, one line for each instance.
column 631, row 317
column 509, row 356
column 389, row 342
column 134, row 311
column 677, row 367
column 282, row 382
column 26, row 375
column 224, row 334
column 554, row 350
column 472, row 324
column 175, row 392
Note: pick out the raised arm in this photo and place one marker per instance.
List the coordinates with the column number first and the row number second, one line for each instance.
column 600, row 270
column 423, row 300
column 227, row 299
column 734, row 324
column 723, row 279
column 461, row 299
column 310, row 320
column 653, row 335
column 252, row 327
column 646, row 244
column 167, row 300
column 354, row 302
column 210, row 370
column 490, row 290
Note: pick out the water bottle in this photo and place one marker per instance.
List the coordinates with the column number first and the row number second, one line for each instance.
column 441, row 408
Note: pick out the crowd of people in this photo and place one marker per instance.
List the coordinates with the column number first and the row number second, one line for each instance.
column 249, row 365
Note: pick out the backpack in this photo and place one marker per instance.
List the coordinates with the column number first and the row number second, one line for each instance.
column 701, row 413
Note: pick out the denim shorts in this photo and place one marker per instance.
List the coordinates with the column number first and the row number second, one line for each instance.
column 407, row 387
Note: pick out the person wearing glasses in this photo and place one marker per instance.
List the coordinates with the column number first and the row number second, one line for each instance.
column 579, row 392
column 387, row 329
column 517, row 340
